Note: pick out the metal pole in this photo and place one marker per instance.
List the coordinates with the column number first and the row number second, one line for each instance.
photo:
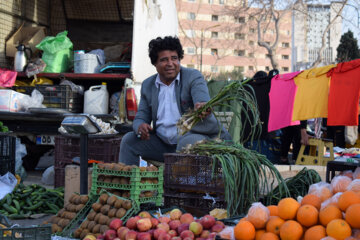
column 83, row 163
column 201, row 49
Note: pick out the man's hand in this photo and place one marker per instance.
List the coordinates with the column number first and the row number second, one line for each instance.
column 304, row 137
column 205, row 113
column 144, row 131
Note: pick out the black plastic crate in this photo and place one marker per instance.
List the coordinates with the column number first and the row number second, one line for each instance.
column 23, row 89
column 196, row 204
column 7, row 154
column 26, row 233
column 192, row 173
column 61, row 96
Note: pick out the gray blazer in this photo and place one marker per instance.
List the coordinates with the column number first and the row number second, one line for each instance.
column 191, row 89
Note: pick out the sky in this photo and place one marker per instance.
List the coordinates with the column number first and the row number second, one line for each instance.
column 351, row 18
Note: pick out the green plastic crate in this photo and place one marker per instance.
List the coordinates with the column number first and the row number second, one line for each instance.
column 75, row 222
column 26, row 233
column 135, row 187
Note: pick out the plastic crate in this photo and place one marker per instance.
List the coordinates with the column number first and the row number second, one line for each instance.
column 194, row 203
column 75, row 222
column 186, row 172
column 66, row 148
column 26, row 233
column 7, row 154
column 61, row 96
column 23, row 89
column 135, row 187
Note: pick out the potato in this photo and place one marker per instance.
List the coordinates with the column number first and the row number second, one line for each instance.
column 118, row 203
column 71, row 215
column 117, row 193
column 126, row 194
column 77, row 233
column 68, row 207
column 79, row 207
column 116, row 180
column 103, row 219
column 96, row 207
column 103, row 229
column 91, row 215
column 96, row 228
column 120, row 213
column 111, row 200
column 126, row 204
column 84, row 233
column 91, row 225
column 97, row 217
column 101, row 166
column 107, row 179
column 117, row 167
column 127, row 168
column 101, row 178
column 84, row 224
column 148, row 194
column 65, row 222
column 60, row 212
column 124, row 180
column 105, row 209
column 103, row 198
column 108, row 166
column 112, row 212
column 55, row 228
column 84, row 199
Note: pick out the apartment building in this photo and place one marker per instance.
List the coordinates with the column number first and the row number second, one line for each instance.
column 216, row 39
column 310, row 22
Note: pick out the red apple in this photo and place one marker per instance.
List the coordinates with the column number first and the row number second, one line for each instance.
column 115, row 224
column 175, row 214
column 144, row 236
column 164, row 226
column 131, row 235
column 188, row 238
column 131, row 223
column 183, row 227
column 186, row 218
column 121, row 232
column 164, row 236
column 144, row 214
column 151, row 232
column 164, row 219
column 100, row 237
column 172, row 233
column 158, row 231
column 174, row 224
column 212, row 235
column 110, row 234
column 205, row 234
column 220, row 223
column 207, row 221
column 199, row 238
column 154, row 222
column 187, row 234
column 196, row 228
column 217, row 228
column 143, row 224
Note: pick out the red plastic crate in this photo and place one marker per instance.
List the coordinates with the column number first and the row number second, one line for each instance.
column 66, row 148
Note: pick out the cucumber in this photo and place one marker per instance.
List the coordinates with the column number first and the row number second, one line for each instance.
column 10, row 209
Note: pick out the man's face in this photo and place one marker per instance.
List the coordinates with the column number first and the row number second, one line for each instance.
column 167, row 65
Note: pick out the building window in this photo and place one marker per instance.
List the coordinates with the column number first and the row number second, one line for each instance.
column 240, row 36
column 251, row 18
column 285, row 44
column 267, row 68
column 214, row 51
column 285, row 56
column 190, row 65
column 252, row 30
column 214, row 18
column 191, row 50
column 190, row 33
column 221, row 2
column 285, row 69
column 240, row 19
column 251, row 68
column 239, row 68
column 214, row 69
column 251, row 43
column 251, row 55
column 191, row 16
column 239, row 53
column 214, row 34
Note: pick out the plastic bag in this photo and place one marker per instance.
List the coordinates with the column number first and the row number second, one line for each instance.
column 321, row 189
column 354, row 186
column 227, row 233
column 48, row 176
column 20, row 153
column 258, row 215
column 340, row 183
column 7, row 77
column 35, row 101
column 57, row 52
column 356, row 174
column 351, row 134
column 331, row 201
column 75, row 88
column 347, row 173
column 114, row 103
column 7, row 184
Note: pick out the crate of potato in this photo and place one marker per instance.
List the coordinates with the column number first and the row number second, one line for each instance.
column 68, row 217
column 107, row 208
column 142, row 184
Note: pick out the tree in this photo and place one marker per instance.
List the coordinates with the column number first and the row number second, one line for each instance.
column 348, row 48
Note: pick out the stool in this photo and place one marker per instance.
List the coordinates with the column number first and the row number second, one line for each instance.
column 316, row 153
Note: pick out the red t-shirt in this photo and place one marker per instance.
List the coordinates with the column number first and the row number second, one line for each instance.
column 344, row 94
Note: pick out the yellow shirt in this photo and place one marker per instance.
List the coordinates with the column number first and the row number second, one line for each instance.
column 311, row 98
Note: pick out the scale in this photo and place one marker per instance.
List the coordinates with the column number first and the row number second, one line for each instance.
column 81, row 124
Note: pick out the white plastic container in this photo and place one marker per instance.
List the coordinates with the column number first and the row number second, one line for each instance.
column 96, row 100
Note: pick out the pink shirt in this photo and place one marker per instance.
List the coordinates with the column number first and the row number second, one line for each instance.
column 282, row 96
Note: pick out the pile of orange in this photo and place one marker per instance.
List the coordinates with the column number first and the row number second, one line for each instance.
column 335, row 213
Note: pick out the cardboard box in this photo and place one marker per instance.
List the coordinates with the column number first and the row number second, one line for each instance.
column 11, row 101
column 29, row 36
column 72, row 181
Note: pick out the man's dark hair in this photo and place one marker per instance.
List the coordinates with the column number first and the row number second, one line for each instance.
column 167, row 43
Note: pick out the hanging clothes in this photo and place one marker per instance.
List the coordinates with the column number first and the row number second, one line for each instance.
column 311, row 99
column 344, row 94
column 282, row 95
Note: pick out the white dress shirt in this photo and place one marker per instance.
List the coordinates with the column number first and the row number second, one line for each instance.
column 168, row 112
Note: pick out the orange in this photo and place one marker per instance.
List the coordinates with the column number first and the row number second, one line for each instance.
column 322, row 192
column 329, row 213
column 291, row 230
column 354, row 186
column 269, row 236
column 312, row 199
column 274, row 224
column 338, row 229
column 244, row 230
column 287, row 208
column 346, row 199
column 273, row 210
column 340, row 183
column 258, row 215
column 315, row 233
column 307, row 215
column 352, row 215
column 259, row 233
